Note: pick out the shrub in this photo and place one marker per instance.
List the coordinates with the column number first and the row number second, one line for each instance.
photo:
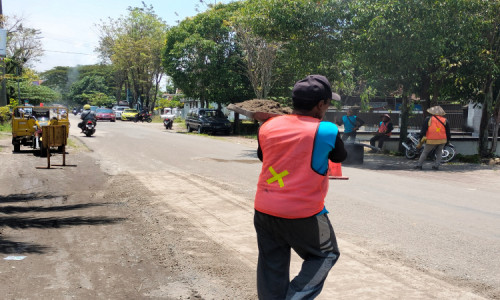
column 5, row 114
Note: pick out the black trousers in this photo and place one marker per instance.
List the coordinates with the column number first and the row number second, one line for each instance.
column 380, row 138
column 313, row 239
column 349, row 136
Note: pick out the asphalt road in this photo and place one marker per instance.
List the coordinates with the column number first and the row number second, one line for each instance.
column 422, row 231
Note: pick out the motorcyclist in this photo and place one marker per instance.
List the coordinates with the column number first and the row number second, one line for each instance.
column 87, row 115
column 142, row 115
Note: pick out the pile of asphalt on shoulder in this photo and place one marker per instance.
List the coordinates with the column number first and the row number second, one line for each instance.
column 261, row 105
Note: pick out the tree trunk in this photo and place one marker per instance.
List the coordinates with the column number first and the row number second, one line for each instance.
column 424, row 93
column 485, row 118
column 403, row 127
column 496, row 125
column 236, row 125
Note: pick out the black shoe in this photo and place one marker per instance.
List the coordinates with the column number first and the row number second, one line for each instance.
column 435, row 168
column 419, row 167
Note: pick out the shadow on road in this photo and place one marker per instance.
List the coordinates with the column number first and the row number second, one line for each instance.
column 10, row 218
column 27, row 197
column 54, row 222
column 18, row 209
column 10, row 247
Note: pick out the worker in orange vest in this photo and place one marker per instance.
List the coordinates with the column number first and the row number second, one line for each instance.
column 437, row 133
column 289, row 203
column 383, row 133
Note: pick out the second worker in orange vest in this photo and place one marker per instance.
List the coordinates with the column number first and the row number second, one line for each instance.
column 437, row 132
column 383, row 133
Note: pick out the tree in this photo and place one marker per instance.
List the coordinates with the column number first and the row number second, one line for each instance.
column 408, row 45
column 100, row 99
column 35, row 94
column 82, row 91
column 62, row 78
column 23, row 44
column 133, row 43
column 259, row 58
column 203, row 59
column 310, row 35
column 172, row 103
column 488, row 17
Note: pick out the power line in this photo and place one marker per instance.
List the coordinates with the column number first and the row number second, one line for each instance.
column 68, row 52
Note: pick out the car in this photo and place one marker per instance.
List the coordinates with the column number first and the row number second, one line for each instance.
column 105, row 114
column 129, row 114
column 118, row 110
column 207, row 120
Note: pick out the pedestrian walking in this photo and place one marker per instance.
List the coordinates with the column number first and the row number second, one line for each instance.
column 351, row 124
column 383, row 133
column 289, row 203
column 436, row 131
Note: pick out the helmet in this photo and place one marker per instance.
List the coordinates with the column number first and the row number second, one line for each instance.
column 86, row 107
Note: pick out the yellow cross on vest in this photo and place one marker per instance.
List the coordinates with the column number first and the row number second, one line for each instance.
column 438, row 129
column 278, row 177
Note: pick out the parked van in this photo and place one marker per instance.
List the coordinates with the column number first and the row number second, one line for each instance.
column 207, row 120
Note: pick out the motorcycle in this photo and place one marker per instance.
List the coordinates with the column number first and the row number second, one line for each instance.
column 413, row 148
column 75, row 111
column 89, row 128
column 168, row 122
column 143, row 117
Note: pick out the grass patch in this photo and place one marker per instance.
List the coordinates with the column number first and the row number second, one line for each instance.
column 250, row 136
column 76, row 145
column 157, row 119
column 470, row 159
column 72, row 143
column 5, row 127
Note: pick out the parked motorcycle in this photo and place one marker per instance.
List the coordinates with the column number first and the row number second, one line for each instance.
column 89, row 128
column 143, row 117
column 412, row 149
column 168, row 122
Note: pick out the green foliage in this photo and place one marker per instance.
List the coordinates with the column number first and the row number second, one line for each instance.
column 83, row 90
column 5, row 114
column 203, row 60
column 100, row 99
column 311, row 33
column 61, row 79
column 24, row 44
column 368, row 93
column 35, row 94
column 5, row 127
column 283, row 101
column 133, row 44
column 162, row 103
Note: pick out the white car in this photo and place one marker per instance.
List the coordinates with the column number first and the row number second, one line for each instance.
column 118, row 111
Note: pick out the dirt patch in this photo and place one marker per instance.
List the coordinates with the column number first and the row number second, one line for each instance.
column 80, row 233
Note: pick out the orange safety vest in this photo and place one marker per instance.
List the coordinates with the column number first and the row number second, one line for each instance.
column 288, row 187
column 436, row 130
column 383, row 128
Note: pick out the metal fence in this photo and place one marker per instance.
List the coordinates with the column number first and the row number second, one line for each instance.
column 372, row 120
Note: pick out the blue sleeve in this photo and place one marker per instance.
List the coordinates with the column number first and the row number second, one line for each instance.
column 324, row 142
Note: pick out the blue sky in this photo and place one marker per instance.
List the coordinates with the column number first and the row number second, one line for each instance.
column 68, row 26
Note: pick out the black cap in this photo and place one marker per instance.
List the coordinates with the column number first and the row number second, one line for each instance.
column 312, row 88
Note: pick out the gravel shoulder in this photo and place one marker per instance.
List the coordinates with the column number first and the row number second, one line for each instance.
column 80, row 233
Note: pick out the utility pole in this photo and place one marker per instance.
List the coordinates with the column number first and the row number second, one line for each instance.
column 3, row 39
